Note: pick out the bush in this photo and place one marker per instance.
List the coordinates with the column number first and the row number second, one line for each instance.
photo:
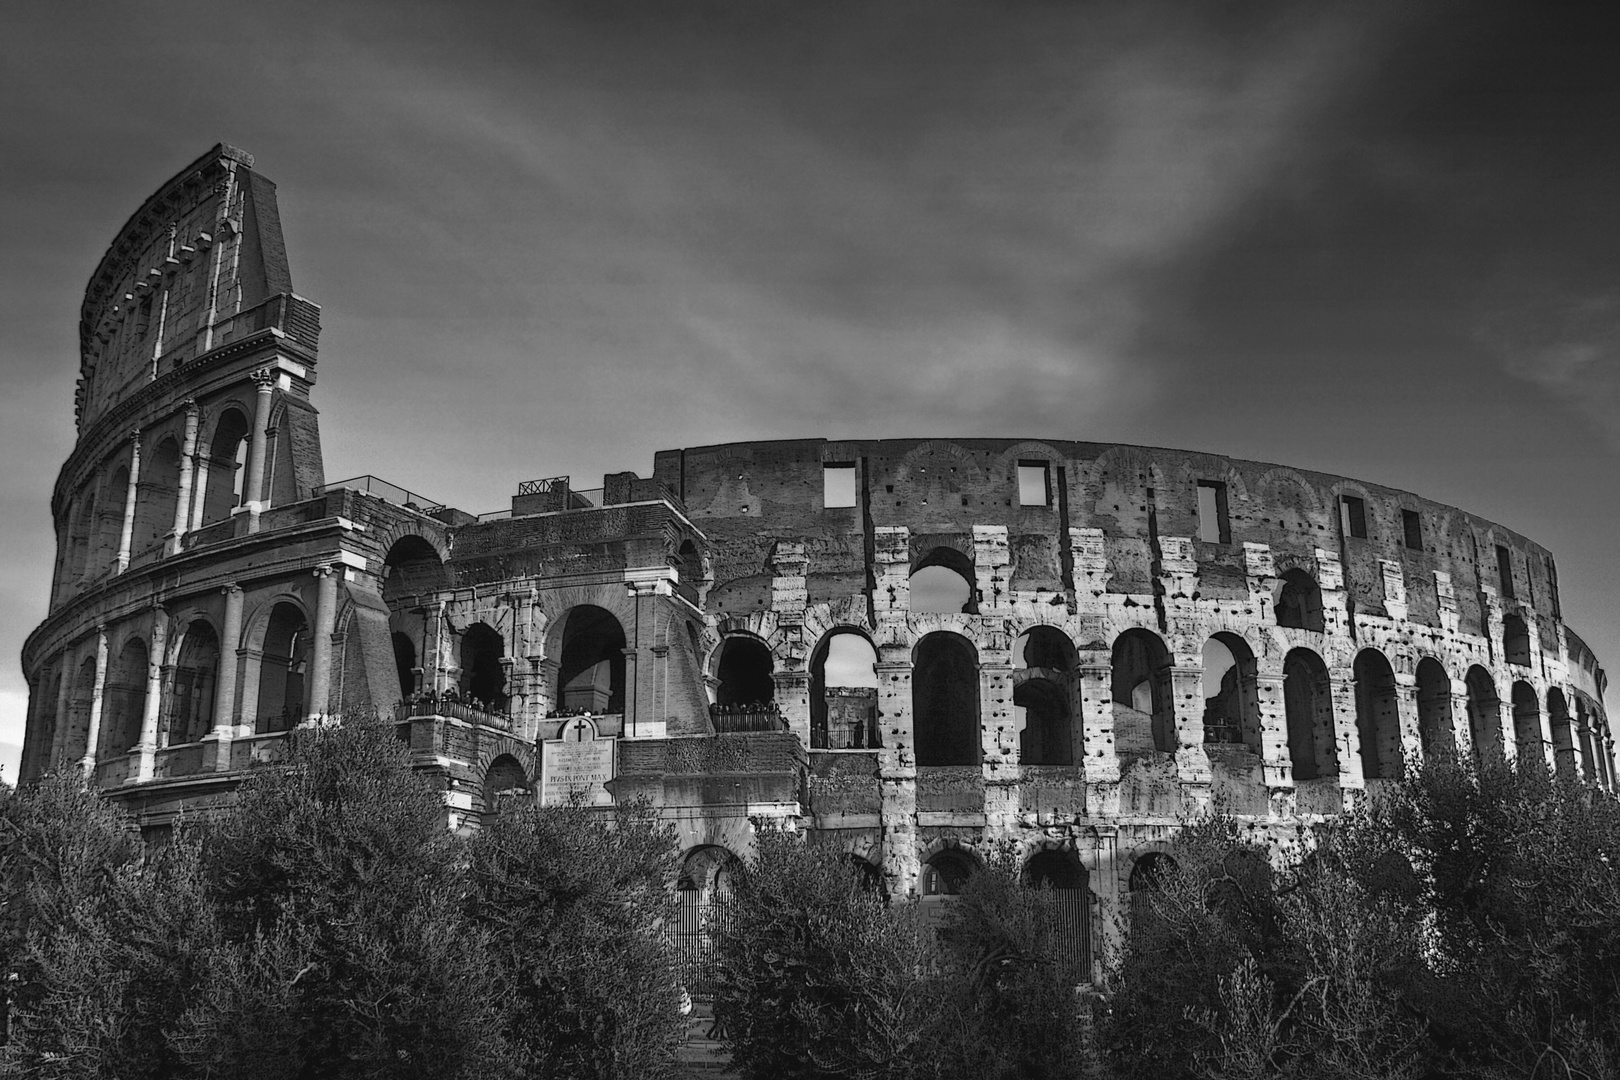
column 818, row 976
column 575, row 909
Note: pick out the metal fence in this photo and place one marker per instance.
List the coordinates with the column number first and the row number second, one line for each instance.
column 697, row 939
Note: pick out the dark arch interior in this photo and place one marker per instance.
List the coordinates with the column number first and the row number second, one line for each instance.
column 124, row 698
column 745, row 672
column 194, row 684
column 1299, row 604
column 947, row 873
column 1515, row 640
column 1047, row 738
column 223, row 483
column 1151, row 871
column 1484, row 714
column 945, row 700
column 483, row 676
column 1378, row 719
column 158, row 498
column 1141, row 682
column 505, row 779
column 405, row 663
column 1054, row 870
column 1434, row 709
column 591, row 675
column 1562, row 730
column 413, row 569
column 281, row 671
column 1308, row 705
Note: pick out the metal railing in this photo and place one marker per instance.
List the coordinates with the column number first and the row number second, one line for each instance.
column 382, row 489
column 490, row 714
column 750, row 717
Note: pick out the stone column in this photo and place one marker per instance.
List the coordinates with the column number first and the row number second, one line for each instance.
column 93, row 737
column 1461, row 734
column 229, row 667
column 1277, row 765
column 127, row 535
column 188, row 454
column 253, row 490
column 146, row 746
column 1187, row 699
column 432, row 632
column 1097, row 723
column 1346, row 733
column 320, row 660
column 1406, row 707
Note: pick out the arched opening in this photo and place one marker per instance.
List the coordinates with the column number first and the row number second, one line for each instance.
column 195, row 683
column 412, row 569
column 843, row 693
column 483, row 675
column 1436, row 734
column 404, row 664
column 47, row 721
column 947, row 874
column 1378, row 717
column 591, row 675
column 704, row 890
column 110, row 526
column 123, row 701
column 1148, row 876
column 1515, row 640
column 1588, row 767
column 1308, row 704
column 744, row 672
column 220, row 480
column 505, row 782
column 76, row 739
column 157, row 496
column 945, row 700
column 1144, row 705
column 1526, row 723
column 1299, row 603
column 1232, row 712
column 281, row 702
column 1484, row 715
column 81, row 537
column 942, row 583
column 1043, row 692
column 1562, row 730
column 1054, row 870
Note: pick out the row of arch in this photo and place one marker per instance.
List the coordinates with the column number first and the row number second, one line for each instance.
column 96, row 518
column 274, row 661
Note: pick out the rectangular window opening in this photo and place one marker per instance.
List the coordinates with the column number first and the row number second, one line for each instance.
column 1213, row 525
column 1412, row 526
column 1504, row 571
column 837, row 484
column 1034, row 483
column 1353, row 516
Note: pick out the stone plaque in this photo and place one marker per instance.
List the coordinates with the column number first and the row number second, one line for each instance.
column 579, row 762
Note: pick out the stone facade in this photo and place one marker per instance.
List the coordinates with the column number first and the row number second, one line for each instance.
column 917, row 649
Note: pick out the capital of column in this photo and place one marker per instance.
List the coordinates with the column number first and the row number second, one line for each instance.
column 264, row 378
column 135, row 437
column 227, row 590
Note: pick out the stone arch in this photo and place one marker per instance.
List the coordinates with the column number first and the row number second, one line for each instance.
column 1299, row 601
column 1436, row 733
column 81, row 536
column 744, row 669
column 157, row 495
column 123, row 700
column 480, row 653
column 1284, row 489
column 1515, row 640
column 843, row 714
column 504, row 778
column 1378, row 718
column 942, row 582
column 1562, row 730
column 591, row 669
column 76, row 736
column 1143, row 697
column 1054, row 868
column 1232, row 712
column 110, row 523
column 1044, row 662
column 1526, row 722
column 413, row 567
column 222, row 473
column 194, row 683
column 1484, row 715
column 281, row 640
column 1308, row 707
column 946, row 872
column 945, row 700
column 707, row 869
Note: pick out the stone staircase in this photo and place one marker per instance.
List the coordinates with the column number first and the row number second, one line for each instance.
column 702, row 1057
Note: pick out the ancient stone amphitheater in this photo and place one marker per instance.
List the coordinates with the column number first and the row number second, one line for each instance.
column 920, row 649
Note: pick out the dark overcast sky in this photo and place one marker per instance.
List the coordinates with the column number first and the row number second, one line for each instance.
column 1377, row 240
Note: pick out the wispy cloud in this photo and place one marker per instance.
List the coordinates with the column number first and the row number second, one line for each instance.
column 1567, row 346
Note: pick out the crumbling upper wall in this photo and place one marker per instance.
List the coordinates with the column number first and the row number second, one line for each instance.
column 747, row 496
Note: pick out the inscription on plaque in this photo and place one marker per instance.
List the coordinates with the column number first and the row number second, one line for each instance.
column 577, row 764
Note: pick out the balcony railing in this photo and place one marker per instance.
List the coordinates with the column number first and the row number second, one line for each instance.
column 382, row 489
column 753, row 716
column 490, row 714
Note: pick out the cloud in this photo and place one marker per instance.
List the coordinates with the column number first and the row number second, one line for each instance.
column 1568, row 346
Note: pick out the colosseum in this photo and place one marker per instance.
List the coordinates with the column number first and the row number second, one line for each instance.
column 917, row 649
